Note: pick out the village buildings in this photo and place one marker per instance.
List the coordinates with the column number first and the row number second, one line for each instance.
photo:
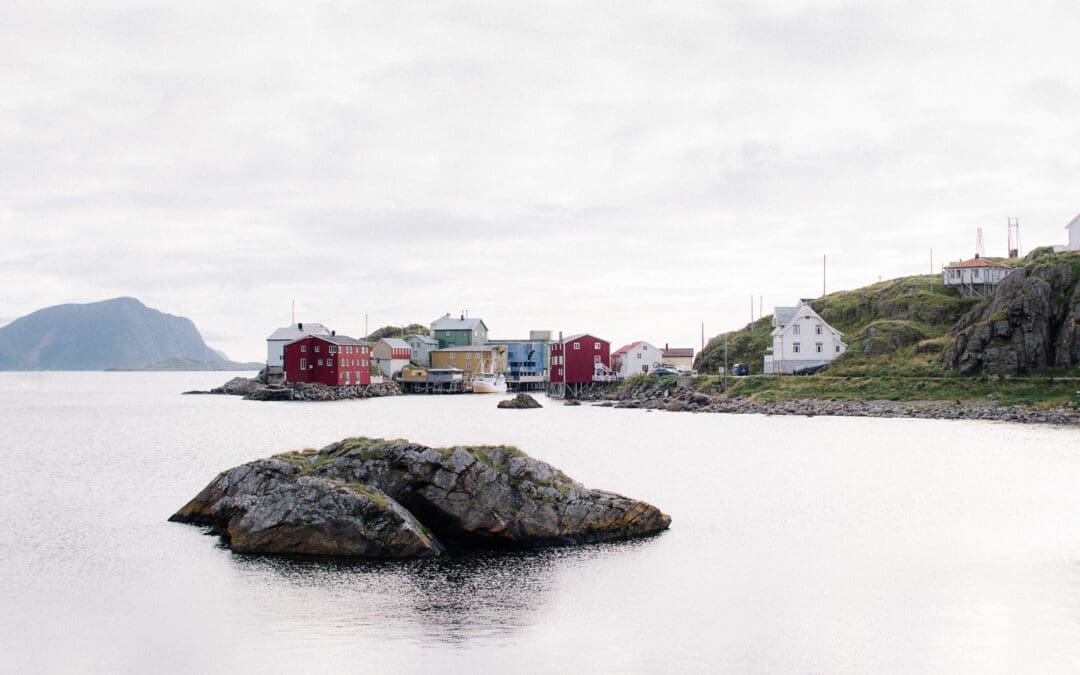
column 462, row 331
column 422, row 346
column 577, row 362
column 275, row 343
column 473, row 359
column 334, row 360
column 636, row 358
column 526, row 362
column 391, row 355
column 679, row 358
column 802, row 341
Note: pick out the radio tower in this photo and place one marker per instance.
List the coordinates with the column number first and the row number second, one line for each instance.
column 1014, row 237
column 979, row 252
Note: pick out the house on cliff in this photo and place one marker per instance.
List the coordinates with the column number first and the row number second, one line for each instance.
column 1074, row 237
column 802, row 340
column 977, row 276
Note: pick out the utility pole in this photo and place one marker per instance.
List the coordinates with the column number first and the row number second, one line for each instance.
column 931, row 269
column 823, row 275
column 366, row 333
column 725, row 361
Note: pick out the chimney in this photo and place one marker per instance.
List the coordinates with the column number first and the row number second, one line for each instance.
column 462, row 316
column 976, row 256
column 300, row 326
column 333, row 332
column 665, row 346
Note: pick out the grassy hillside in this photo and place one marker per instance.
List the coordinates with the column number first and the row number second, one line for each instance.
column 894, row 327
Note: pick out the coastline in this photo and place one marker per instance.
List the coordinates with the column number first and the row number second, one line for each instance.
column 691, row 401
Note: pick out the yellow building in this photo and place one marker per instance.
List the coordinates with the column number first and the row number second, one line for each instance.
column 472, row 359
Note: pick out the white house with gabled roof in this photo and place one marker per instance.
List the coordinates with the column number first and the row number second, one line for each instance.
column 1074, row 236
column 636, row 358
column 801, row 340
column 275, row 343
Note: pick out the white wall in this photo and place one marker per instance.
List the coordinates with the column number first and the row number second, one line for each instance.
column 796, row 344
column 631, row 362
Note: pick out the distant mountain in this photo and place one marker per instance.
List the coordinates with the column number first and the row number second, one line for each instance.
column 121, row 333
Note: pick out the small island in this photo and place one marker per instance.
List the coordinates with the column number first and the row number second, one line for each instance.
column 396, row 499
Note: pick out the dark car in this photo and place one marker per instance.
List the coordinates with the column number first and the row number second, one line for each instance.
column 664, row 370
column 740, row 369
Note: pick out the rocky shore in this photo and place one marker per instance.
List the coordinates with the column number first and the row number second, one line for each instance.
column 256, row 389
column 396, row 499
column 674, row 399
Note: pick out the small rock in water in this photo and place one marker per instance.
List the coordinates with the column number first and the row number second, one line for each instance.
column 520, row 402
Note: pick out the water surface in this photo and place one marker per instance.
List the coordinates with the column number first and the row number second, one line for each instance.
column 797, row 544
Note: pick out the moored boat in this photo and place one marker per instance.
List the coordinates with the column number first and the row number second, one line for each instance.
column 488, row 383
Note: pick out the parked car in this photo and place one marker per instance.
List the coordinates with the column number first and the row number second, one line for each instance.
column 740, row 369
column 665, row 370
column 810, row 370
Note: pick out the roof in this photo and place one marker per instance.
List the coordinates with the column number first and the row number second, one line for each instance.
column 1073, row 223
column 448, row 322
column 445, row 369
column 426, row 339
column 626, row 348
column 467, row 348
column 578, row 337
column 977, row 262
column 396, row 343
column 782, row 315
column 678, row 351
column 342, row 340
column 294, row 331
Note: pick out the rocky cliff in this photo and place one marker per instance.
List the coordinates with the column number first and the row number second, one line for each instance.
column 399, row 499
column 1029, row 323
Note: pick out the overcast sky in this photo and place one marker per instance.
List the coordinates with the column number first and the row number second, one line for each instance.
column 629, row 169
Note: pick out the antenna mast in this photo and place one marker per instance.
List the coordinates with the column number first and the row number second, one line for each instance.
column 1014, row 237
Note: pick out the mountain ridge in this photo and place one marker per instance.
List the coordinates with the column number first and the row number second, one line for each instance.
column 118, row 333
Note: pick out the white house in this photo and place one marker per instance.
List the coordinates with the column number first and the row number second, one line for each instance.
column 635, row 358
column 391, row 355
column 801, row 340
column 1074, row 236
column 977, row 276
column 422, row 346
column 275, row 344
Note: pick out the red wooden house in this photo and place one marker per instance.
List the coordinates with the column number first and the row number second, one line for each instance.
column 580, row 360
column 335, row 360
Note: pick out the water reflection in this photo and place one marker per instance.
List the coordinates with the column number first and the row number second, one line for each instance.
column 454, row 598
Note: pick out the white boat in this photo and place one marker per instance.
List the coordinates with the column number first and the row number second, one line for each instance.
column 488, row 383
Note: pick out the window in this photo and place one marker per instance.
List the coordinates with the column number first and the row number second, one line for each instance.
column 329, row 362
column 303, row 348
column 316, row 349
column 320, row 362
column 837, row 349
column 795, row 329
column 577, row 345
column 596, row 359
column 303, row 364
column 817, row 329
column 596, row 345
column 819, row 347
column 795, row 347
column 639, row 356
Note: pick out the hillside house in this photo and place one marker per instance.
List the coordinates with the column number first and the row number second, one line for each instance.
column 334, row 360
column 577, row 362
column 1074, row 237
column 472, row 359
column 275, row 343
column 461, row 332
column 422, row 346
column 636, row 358
column 391, row 355
column 801, row 340
column 977, row 276
column 679, row 358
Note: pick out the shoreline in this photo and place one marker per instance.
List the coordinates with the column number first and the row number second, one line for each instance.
column 690, row 401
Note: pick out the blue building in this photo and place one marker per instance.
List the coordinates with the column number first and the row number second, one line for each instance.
column 527, row 361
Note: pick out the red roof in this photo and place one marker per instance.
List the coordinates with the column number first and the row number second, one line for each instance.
column 626, row 348
column 976, row 262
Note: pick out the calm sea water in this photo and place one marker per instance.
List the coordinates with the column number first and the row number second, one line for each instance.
column 797, row 544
